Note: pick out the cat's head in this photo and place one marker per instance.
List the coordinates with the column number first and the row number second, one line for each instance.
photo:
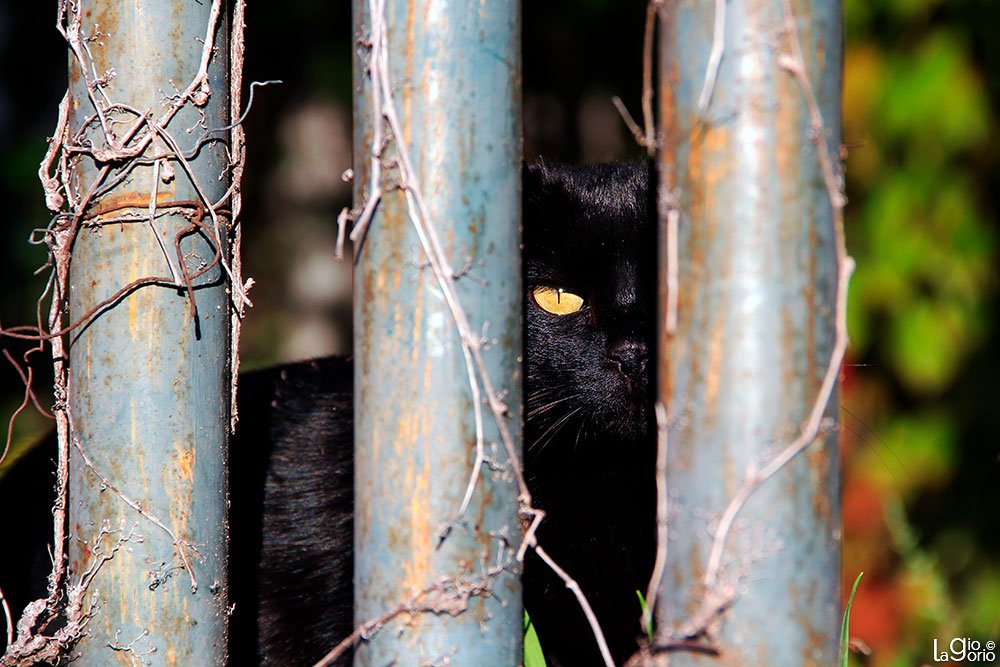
column 589, row 267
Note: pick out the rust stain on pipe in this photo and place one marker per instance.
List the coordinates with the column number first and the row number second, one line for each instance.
column 418, row 566
column 819, row 470
column 713, row 377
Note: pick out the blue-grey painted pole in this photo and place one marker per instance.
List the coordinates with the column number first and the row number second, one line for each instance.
column 454, row 71
column 148, row 384
column 754, row 332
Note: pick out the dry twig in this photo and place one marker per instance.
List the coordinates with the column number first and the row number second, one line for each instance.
column 714, row 57
column 645, row 136
column 448, row 595
column 662, row 516
column 595, row 626
column 648, row 42
column 179, row 544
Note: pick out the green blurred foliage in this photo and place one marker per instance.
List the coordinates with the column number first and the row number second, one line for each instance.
column 921, row 433
column 914, row 451
column 925, row 249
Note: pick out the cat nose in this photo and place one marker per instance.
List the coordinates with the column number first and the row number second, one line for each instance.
column 630, row 356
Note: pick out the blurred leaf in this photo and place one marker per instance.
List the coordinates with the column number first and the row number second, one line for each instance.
column 925, row 259
column 859, row 323
column 934, row 98
column 891, row 220
column 915, row 452
column 955, row 548
column 927, row 342
column 981, row 603
column 864, row 70
column 926, row 590
column 966, row 239
column 908, row 9
column 857, row 15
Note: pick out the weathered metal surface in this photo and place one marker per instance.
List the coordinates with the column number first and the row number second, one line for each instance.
column 755, row 330
column 455, row 72
column 148, row 388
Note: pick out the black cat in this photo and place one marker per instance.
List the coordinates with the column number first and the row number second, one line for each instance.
column 589, row 441
column 589, row 255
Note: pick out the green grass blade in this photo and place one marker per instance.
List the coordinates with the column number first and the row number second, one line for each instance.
column 649, row 625
column 533, row 656
column 845, row 631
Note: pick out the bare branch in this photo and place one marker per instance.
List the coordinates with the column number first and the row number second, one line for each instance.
column 673, row 261
column 53, row 200
column 174, row 273
column 649, row 139
column 633, row 127
column 662, row 515
column 571, row 584
column 9, row 620
column 237, row 160
column 448, row 595
column 179, row 544
column 342, row 219
column 714, row 57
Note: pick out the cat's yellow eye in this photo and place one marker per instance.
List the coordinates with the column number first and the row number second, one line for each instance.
column 557, row 300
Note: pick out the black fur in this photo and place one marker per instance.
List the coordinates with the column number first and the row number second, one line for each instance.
column 588, row 444
column 291, row 513
column 589, row 449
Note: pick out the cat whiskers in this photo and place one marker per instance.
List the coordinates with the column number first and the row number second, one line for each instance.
column 553, row 428
column 579, row 432
column 539, row 410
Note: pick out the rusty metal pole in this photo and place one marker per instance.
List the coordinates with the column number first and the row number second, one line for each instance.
column 754, row 333
column 454, row 71
column 148, row 381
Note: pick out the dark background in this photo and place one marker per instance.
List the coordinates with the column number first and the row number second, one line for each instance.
column 920, row 436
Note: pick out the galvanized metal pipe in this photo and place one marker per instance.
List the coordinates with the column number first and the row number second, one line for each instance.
column 455, row 73
column 755, row 330
column 148, row 384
